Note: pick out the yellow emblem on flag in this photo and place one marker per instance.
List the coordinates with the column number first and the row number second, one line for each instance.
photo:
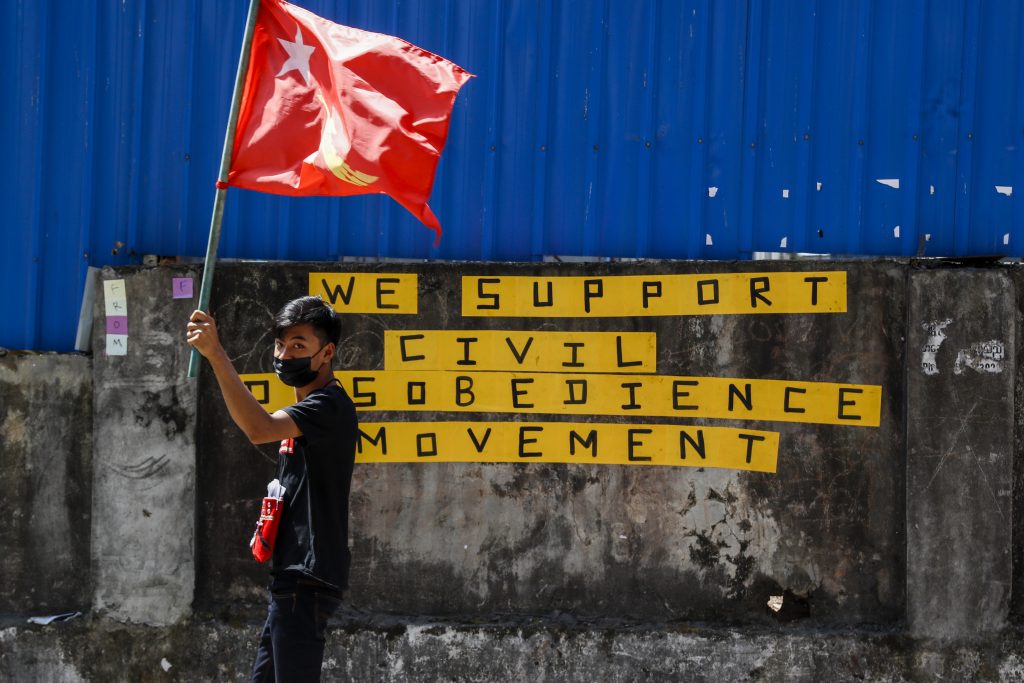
column 333, row 158
column 348, row 174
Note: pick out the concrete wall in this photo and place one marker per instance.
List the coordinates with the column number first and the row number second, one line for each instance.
column 598, row 541
column 46, row 462
column 143, row 550
column 960, row 452
column 900, row 536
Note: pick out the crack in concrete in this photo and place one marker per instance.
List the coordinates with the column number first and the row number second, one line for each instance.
column 964, row 418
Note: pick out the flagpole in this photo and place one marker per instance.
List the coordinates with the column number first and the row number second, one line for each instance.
column 222, row 178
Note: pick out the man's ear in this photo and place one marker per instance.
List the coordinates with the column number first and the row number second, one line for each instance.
column 330, row 352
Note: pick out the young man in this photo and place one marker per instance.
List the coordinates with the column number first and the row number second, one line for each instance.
column 318, row 432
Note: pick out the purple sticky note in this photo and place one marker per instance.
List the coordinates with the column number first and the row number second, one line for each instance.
column 117, row 324
column 182, row 288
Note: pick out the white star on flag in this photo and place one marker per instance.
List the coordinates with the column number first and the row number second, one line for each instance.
column 298, row 56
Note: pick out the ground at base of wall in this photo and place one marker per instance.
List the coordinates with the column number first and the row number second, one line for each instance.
column 393, row 649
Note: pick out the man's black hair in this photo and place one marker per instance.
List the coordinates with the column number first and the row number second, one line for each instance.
column 312, row 310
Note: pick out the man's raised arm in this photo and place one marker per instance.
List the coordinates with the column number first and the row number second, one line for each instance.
column 248, row 414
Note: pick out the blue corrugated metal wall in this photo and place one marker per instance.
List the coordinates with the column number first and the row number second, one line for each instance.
column 613, row 128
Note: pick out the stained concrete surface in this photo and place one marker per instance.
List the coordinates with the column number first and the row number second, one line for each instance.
column 544, row 651
column 143, row 550
column 960, row 452
column 45, row 467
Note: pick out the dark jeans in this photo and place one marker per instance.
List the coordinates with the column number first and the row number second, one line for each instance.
column 292, row 644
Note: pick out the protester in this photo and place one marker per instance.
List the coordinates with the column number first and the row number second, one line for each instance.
column 310, row 560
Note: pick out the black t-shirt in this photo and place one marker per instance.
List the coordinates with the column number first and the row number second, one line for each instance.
column 316, row 471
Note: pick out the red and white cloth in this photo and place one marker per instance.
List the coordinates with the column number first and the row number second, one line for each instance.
column 262, row 543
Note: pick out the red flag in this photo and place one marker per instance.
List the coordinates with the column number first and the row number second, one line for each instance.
column 332, row 110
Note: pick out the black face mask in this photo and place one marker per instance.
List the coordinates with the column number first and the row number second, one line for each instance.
column 296, row 372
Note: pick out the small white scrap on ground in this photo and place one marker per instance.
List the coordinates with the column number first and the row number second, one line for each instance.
column 775, row 602
column 45, row 621
column 165, row 665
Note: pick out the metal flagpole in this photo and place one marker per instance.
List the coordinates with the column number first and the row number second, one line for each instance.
column 222, row 177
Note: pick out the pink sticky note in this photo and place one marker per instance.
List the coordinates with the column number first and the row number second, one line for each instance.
column 181, row 288
column 117, row 324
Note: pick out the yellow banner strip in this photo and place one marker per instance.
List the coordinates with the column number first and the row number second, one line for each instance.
column 653, row 295
column 588, row 394
column 383, row 293
column 564, row 442
column 480, row 350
